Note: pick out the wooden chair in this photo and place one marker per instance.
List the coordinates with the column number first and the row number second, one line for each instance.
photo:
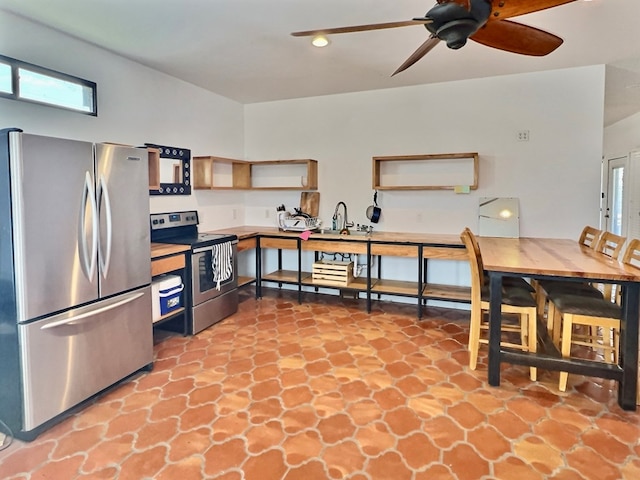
column 599, row 314
column 509, row 281
column 515, row 300
column 611, row 245
column 608, row 244
column 589, row 236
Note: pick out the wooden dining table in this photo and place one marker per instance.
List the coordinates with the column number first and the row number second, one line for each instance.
column 548, row 258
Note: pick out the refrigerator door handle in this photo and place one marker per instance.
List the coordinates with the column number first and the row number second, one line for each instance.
column 88, row 261
column 105, row 257
column 92, row 313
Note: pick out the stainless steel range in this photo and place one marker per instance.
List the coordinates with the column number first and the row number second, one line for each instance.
column 212, row 286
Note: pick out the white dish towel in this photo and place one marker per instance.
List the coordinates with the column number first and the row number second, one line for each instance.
column 222, row 262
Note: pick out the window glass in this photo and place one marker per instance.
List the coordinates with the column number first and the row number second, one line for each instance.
column 5, row 78
column 55, row 91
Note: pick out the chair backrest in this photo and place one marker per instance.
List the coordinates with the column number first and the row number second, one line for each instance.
column 610, row 244
column 589, row 236
column 632, row 253
column 630, row 257
column 475, row 261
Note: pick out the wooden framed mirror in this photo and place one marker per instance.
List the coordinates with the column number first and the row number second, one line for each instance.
column 174, row 169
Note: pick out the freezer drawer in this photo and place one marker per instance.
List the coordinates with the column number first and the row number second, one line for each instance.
column 69, row 357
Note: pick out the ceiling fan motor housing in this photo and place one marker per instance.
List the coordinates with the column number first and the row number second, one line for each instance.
column 454, row 24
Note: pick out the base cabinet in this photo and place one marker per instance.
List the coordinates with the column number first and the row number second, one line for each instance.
column 163, row 263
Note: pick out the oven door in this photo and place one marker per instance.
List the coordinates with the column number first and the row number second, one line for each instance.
column 210, row 263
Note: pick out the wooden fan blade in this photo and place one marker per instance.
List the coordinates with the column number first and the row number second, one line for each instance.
column 422, row 50
column 464, row 3
column 513, row 8
column 517, row 38
column 360, row 28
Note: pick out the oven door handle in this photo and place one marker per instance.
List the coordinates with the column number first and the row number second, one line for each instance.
column 210, row 247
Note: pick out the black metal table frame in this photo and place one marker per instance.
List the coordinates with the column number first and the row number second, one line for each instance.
column 421, row 274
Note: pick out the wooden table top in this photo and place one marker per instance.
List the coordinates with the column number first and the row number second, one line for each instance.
column 449, row 240
column 552, row 256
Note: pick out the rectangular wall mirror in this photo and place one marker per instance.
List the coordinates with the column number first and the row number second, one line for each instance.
column 499, row 217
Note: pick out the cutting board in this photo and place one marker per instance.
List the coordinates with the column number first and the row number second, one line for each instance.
column 310, row 203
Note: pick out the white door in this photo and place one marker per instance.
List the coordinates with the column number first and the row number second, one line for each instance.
column 614, row 201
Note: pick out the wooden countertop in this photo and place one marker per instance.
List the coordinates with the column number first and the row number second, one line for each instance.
column 164, row 249
column 434, row 239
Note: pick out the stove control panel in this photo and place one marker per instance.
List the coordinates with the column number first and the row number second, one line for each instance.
column 175, row 219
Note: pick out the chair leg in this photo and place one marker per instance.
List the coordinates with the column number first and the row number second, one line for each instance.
column 556, row 320
column 551, row 310
column 541, row 300
column 532, row 341
column 567, row 328
column 474, row 337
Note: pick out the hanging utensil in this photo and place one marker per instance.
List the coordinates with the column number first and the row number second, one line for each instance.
column 373, row 211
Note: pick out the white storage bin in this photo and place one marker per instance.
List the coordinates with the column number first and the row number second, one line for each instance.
column 167, row 295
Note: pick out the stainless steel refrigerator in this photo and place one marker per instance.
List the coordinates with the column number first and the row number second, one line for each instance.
column 75, row 295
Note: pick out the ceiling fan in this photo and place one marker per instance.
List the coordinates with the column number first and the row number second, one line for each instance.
column 483, row 21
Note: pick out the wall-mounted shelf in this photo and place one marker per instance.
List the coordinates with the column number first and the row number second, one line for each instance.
column 219, row 173
column 445, row 171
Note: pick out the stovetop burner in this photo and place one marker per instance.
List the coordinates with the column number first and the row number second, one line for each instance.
column 181, row 228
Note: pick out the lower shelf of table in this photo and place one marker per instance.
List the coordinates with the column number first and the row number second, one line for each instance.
column 168, row 316
column 242, row 281
column 378, row 286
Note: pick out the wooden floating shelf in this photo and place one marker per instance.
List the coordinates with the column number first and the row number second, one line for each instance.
column 220, row 173
column 445, row 171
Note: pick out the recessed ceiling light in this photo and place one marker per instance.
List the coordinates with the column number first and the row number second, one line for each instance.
column 320, row 41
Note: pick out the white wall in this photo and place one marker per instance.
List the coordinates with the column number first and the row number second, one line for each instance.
column 556, row 174
column 135, row 105
column 622, row 137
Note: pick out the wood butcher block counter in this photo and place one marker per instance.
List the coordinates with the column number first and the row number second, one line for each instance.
column 164, row 249
column 423, row 246
column 445, row 240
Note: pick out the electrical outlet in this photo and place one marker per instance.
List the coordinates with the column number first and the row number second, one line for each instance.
column 267, row 213
column 523, row 136
column 419, row 217
column 235, row 214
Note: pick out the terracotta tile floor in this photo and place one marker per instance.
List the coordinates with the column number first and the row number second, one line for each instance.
column 324, row 391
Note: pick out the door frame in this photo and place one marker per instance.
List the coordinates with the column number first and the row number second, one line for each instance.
column 608, row 163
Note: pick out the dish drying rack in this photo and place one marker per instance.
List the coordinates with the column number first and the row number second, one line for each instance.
column 297, row 223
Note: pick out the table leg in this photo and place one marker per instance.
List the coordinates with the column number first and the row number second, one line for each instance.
column 420, row 280
column 627, row 387
column 495, row 327
column 258, row 269
column 369, row 277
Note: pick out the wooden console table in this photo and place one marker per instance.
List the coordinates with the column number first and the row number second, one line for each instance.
column 377, row 244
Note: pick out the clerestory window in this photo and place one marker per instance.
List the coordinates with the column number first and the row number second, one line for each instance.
column 24, row 81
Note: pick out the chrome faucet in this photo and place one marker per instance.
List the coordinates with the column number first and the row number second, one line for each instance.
column 342, row 224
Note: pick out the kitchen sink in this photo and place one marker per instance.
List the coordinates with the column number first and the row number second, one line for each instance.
column 352, row 233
